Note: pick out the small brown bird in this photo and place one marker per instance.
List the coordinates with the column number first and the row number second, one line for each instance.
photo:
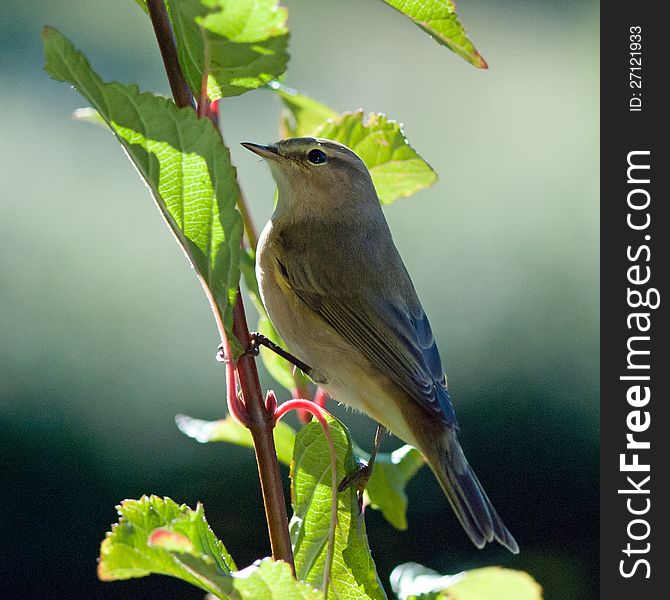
column 339, row 295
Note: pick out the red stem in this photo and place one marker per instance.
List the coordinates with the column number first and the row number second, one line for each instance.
column 235, row 407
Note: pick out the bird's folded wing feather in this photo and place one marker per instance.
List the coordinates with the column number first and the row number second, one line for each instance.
column 390, row 330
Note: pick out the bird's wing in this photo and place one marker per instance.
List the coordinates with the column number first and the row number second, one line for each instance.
column 391, row 330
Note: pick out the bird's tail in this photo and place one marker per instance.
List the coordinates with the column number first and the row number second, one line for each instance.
column 466, row 495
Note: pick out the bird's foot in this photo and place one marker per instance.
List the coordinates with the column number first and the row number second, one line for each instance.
column 256, row 340
column 363, row 472
column 252, row 350
column 360, row 476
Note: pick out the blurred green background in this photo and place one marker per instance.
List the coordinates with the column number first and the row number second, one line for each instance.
column 106, row 334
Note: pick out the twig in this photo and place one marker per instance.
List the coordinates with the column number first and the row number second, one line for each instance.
column 163, row 30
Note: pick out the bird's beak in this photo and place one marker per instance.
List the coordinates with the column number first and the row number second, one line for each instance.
column 268, row 152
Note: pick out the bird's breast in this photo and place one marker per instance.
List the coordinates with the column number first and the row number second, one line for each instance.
column 338, row 366
column 301, row 329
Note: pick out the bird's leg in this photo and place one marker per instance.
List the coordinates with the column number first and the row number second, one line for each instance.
column 363, row 472
column 258, row 340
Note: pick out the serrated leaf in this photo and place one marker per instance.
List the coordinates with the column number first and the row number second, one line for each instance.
column 229, row 430
column 438, row 18
column 396, row 169
column 127, row 552
column 241, row 44
column 271, row 580
column 354, row 575
column 412, row 580
column 390, row 475
column 183, row 161
column 157, row 536
column 303, row 115
column 170, row 540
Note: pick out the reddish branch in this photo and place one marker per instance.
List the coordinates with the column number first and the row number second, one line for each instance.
column 261, row 422
column 258, row 417
column 163, row 30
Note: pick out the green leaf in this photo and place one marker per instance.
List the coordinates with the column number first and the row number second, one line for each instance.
column 183, row 161
column 438, row 18
column 386, row 488
column 495, row 582
column 397, row 170
column 242, row 43
column 229, row 430
column 303, row 115
column 353, row 575
column 411, row 580
column 271, row 580
column 156, row 535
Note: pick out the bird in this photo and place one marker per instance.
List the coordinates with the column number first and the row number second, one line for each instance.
column 338, row 293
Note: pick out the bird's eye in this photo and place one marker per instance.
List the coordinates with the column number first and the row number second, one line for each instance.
column 317, row 157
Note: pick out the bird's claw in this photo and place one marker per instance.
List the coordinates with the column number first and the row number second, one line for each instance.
column 255, row 342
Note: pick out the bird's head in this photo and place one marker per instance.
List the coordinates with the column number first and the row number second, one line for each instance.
column 316, row 175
